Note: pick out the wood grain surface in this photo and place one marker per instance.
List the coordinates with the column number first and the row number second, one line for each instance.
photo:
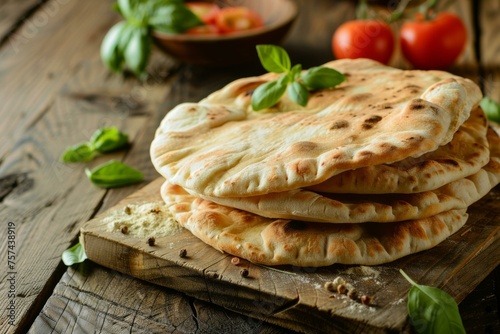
column 55, row 92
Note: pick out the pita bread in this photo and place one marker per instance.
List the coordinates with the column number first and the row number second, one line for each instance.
column 380, row 115
column 280, row 242
column 463, row 156
column 306, row 205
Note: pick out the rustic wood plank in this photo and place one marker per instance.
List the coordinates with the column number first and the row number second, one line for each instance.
column 489, row 12
column 12, row 13
column 46, row 199
column 296, row 299
column 99, row 300
column 35, row 65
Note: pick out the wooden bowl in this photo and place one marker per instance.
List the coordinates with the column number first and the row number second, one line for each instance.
column 237, row 48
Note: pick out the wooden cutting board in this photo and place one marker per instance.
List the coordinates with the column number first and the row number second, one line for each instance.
column 295, row 297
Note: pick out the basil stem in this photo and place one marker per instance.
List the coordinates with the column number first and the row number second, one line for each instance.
column 75, row 254
column 432, row 310
column 491, row 109
column 114, row 174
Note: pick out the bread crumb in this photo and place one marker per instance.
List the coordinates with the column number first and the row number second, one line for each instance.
column 143, row 220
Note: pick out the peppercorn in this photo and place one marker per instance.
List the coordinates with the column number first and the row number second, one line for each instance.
column 352, row 294
column 366, row 300
column 183, row 253
column 151, row 241
column 124, row 229
column 128, row 210
column 244, row 272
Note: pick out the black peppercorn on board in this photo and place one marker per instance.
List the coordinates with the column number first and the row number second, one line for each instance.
column 297, row 298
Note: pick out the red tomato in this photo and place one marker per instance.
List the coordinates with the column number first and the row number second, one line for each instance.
column 364, row 39
column 204, row 10
column 233, row 19
column 433, row 44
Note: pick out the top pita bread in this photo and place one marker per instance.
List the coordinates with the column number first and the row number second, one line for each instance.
column 463, row 156
column 219, row 147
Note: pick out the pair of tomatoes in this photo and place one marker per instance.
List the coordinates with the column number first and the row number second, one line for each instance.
column 426, row 44
column 224, row 20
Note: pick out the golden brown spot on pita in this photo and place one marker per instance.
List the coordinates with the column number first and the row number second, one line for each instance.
column 450, row 162
column 373, row 119
column 303, row 146
column 356, row 98
column 366, row 126
column 417, row 104
column 339, row 125
column 303, row 168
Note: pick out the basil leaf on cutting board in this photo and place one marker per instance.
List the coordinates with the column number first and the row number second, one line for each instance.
column 432, row 310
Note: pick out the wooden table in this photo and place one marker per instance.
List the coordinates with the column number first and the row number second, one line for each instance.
column 54, row 91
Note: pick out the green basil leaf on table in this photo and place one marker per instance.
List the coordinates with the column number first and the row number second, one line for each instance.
column 298, row 93
column 491, row 109
column 174, row 18
column 432, row 310
column 108, row 139
column 114, row 174
column 78, row 153
column 322, row 77
column 110, row 52
column 274, row 58
column 75, row 254
column 268, row 94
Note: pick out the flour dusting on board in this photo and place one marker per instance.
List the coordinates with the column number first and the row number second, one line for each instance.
column 143, row 220
column 365, row 273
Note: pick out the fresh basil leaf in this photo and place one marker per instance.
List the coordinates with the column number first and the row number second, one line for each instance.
column 295, row 71
column 125, row 8
column 322, row 77
column 174, row 18
column 110, row 53
column 78, row 153
column 108, row 139
column 273, row 58
column 138, row 50
column 268, row 94
column 114, row 174
column 75, row 254
column 491, row 109
column 432, row 310
column 298, row 93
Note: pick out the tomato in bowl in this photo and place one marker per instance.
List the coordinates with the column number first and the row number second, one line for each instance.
column 225, row 43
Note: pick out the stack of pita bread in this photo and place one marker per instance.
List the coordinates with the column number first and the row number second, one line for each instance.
column 382, row 166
